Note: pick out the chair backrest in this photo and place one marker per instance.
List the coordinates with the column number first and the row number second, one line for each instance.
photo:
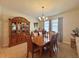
column 35, row 33
column 34, row 38
column 54, row 39
column 40, row 33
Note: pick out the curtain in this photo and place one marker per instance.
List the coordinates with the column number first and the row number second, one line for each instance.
column 60, row 28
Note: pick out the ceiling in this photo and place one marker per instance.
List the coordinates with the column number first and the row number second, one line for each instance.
column 33, row 7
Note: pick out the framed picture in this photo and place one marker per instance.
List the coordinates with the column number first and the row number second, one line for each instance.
column 35, row 25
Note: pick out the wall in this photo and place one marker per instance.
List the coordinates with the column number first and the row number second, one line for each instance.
column 0, row 25
column 6, row 14
column 70, row 21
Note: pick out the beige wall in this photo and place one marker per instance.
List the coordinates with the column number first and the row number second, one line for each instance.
column 70, row 21
column 5, row 15
column 0, row 25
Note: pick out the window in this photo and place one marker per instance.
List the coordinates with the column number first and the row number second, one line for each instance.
column 54, row 25
column 46, row 25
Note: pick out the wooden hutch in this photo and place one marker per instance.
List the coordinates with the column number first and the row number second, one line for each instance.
column 19, row 31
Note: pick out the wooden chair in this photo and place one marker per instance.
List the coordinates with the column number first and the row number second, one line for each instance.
column 52, row 45
column 32, row 47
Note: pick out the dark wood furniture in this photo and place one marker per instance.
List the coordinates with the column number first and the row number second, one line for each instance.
column 73, row 41
column 32, row 48
column 41, row 42
column 53, row 45
column 19, row 30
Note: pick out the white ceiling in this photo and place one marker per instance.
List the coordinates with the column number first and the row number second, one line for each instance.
column 33, row 7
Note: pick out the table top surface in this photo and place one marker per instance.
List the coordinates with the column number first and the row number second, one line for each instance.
column 41, row 41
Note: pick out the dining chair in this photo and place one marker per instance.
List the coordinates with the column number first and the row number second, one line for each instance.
column 32, row 48
column 53, row 45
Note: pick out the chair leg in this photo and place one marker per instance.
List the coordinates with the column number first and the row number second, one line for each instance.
column 41, row 51
column 51, row 53
column 56, row 50
column 27, row 54
column 32, row 54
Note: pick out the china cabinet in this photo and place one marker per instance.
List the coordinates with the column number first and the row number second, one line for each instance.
column 19, row 30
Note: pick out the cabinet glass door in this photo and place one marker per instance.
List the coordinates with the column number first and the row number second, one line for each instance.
column 13, row 27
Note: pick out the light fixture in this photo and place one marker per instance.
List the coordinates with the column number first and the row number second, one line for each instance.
column 43, row 17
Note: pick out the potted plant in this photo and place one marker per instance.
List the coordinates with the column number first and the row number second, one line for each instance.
column 76, row 31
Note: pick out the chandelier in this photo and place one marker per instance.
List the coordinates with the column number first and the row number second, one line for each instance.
column 43, row 17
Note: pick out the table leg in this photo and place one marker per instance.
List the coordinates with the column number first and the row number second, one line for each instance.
column 41, row 51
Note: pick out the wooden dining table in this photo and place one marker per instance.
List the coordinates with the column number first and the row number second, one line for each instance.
column 41, row 41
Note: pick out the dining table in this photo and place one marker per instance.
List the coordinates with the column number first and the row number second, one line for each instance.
column 41, row 41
